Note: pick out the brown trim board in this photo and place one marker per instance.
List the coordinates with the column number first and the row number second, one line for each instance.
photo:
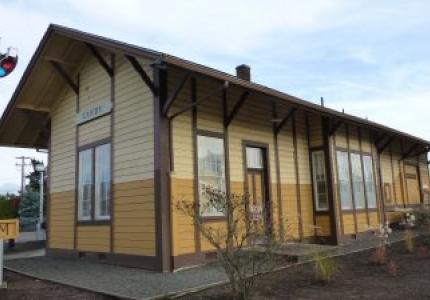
column 163, row 230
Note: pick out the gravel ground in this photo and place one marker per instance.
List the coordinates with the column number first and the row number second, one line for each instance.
column 115, row 280
column 136, row 283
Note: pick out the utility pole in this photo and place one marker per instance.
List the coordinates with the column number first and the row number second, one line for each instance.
column 22, row 165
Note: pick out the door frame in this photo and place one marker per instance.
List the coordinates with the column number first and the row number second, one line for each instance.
column 417, row 169
column 268, row 214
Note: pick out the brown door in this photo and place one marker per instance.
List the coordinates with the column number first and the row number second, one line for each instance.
column 257, row 183
column 412, row 184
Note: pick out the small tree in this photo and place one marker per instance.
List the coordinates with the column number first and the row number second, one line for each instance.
column 245, row 246
column 29, row 210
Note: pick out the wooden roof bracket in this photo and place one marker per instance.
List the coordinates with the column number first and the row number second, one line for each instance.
column 63, row 74
column 380, row 138
column 284, row 121
column 138, row 68
column 169, row 102
column 224, row 86
column 335, row 127
column 409, row 152
column 100, row 59
column 236, row 108
column 386, row 144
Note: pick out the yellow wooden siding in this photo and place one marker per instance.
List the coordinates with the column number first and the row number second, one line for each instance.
column 323, row 225
column 63, row 132
column 134, row 126
column 93, row 238
column 387, row 175
column 348, row 223
column 425, row 180
column 362, row 224
column 94, row 131
column 134, row 218
column 288, row 180
column 374, row 220
column 315, row 130
column 340, row 136
column 62, row 219
column 210, row 112
column 354, row 141
column 183, row 235
column 94, row 82
column 307, row 214
column 366, row 140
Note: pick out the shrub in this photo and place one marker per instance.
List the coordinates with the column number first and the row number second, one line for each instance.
column 422, row 218
column 393, row 268
column 325, row 267
column 409, row 241
column 379, row 256
column 7, row 210
column 244, row 246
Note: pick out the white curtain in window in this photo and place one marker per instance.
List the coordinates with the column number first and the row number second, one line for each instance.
column 344, row 180
column 211, row 171
column 357, row 181
column 85, row 185
column 254, row 158
column 102, row 181
column 369, row 181
column 319, row 181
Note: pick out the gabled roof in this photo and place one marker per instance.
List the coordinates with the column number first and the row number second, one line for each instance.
column 25, row 123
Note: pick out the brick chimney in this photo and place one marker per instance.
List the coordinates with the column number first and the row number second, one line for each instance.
column 243, row 72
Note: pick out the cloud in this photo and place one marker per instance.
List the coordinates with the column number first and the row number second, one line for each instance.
column 9, row 187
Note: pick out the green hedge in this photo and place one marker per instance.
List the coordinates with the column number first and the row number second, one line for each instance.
column 7, row 211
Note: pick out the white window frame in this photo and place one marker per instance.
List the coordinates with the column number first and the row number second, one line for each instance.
column 81, row 190
column 319, row 154
column 201, row 190
column 351, row 200
column 94, row 202
column 97, row 200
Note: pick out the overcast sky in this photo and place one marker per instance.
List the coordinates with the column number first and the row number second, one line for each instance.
column 371, row 58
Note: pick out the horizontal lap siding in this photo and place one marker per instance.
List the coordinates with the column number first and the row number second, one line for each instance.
column 62, row 173
column 95, row 130
column 134, row 202
column 94, row 83
column 93, row 238
column 323, row 224
column 424, row 174
column 63, row 144
column 305, row 175
column 182, row 178
column 288, row 182
column 134, row 231
column 62, row 219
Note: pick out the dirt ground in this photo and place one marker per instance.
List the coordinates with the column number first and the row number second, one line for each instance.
column 357, row 278
column 25, row 288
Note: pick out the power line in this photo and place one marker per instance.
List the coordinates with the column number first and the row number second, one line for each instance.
column 22, row 164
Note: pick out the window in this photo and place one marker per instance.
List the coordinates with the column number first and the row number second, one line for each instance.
column 85, row 184
column 254, row 158
column 211, row 171
column 369, row 181
column 344, row 180
column 319, row 181
column 94, row 186
column 102, row 182
column 357, row 181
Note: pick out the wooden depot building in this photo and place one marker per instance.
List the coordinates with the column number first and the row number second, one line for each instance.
column 130, row 131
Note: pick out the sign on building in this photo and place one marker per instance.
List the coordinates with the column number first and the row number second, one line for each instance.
column 9, row 229
column 93, row 112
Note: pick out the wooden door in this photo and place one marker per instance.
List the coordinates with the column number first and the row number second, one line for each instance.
column 257, row 184
column 412, row 184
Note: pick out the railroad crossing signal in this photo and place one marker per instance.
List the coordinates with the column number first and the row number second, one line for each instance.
column 8, row 62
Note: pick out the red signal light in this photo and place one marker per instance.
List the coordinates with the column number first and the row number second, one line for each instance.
column 7, row 63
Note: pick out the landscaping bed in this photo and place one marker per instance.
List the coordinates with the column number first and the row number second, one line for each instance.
column 357, row 278
column 25, row 288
